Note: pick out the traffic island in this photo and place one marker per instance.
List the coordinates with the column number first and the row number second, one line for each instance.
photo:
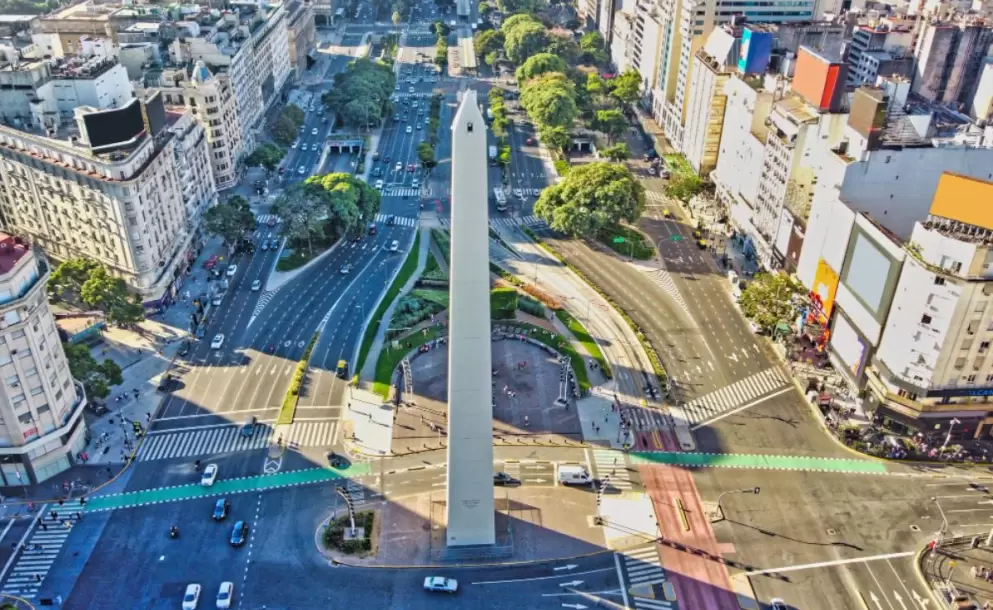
column 340, row 543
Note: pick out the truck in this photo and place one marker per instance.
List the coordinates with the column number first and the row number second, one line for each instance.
column 493, row 155
column 489, row 114
column 501, row 199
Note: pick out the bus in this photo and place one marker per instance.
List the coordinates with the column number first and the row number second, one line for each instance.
column 501, row 199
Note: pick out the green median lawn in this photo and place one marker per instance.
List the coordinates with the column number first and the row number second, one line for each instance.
column 583, row 336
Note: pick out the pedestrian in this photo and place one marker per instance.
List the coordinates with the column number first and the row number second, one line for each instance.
column 79, row 516
column 67, row 524
column 39, row 547
column 55, row 516
column 37, row 577
column 61, row 502
column 44, row 526
column 527, row 421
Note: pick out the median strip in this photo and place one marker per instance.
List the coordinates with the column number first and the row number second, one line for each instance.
column 289, row 408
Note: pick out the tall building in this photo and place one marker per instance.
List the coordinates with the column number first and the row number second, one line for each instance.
column 115, row 189
column 950, row 58
column 875, row 50
column 41, row 424
column 301, row 36
column 210, row 99
column 90, row 19
column 250, row 43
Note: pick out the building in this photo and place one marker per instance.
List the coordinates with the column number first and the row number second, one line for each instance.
column 89, row 19
column 114, row 189
column 981, row 108
column 210, row 99
column 950, row 58
column 882, row 49
column 251, row 44
column 301, row 36
column 43, row 429
column 705, row 116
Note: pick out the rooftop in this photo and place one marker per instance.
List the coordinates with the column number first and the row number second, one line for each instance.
column 12, row 249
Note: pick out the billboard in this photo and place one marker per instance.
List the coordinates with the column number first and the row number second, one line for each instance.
column 956, row 198
column 824, row 290
column 848, row 345
column 818, row 80
column 756, row 49
column 115, row 127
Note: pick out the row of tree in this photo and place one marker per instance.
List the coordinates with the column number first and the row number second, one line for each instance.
column 287, row 125
column 591, row 199
column 83, row 281
column 323, row 208
column 267, row 156
column 361, row 94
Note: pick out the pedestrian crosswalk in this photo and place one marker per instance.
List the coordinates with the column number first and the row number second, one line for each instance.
column 643, row 570
column 400, row 221
column 646, row 420
column 263, row 301
column 401, row 191
column 611, row 469
column 265, row 218
column 734, row 395
column 663, row 280
column 504, row 221
column 411, row 96
column 224, row 439
column 652, row 196
column 32, row 562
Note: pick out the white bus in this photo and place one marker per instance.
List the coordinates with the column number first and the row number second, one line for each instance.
column 501, row 199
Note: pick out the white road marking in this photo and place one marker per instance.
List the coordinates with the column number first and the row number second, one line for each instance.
column 741, row 408
column 500, row 582
column 828, row 564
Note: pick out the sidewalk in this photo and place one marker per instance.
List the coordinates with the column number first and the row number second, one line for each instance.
column 955, row 569
column 368, row 372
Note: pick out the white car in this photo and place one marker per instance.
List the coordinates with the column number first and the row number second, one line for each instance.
column 394, row 246
column 217, row 300
column 302, row 170
column 379, row 185
column 410, row 90
column 295, row 144
column 225, row 594
column 410, row 129
column 440, row 583
column 303, row 147
column 519, row 193
column 192, row 597
column 208, row 478
column 416, row 183
column 399, row 166
column 218, row 341
column 256, row 285
column 313, row 131
column 232, row 270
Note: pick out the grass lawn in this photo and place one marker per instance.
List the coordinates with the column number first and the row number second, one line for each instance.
column 438, row 297
column 678, row 164
column 298, row 256
column 390, row 358
column 634, row 243
column 444, row 243
column 583, row 336
column 406, row 271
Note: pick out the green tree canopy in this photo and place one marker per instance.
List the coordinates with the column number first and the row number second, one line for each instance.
column 549, row 101
column 526, row 38
column 561, row 44
column 113, row 297
column 611, row 122
column 683, row 186
column 539, row 64
column 425, row 154
column 266, row 156
column 555, row 137
column 295, row 114
column 67, row 280
column 283, row 131
column 514, row 20
column 361, row 93
column 617, row 153
column 230, row 220
column 592, row 198
column 351, row 202
column 768, row 300
column 96, row 377
column 489, row 41
column 327, row 205
column 441, row 53
column 594, row 49
column 626, row 87
column 440, row 29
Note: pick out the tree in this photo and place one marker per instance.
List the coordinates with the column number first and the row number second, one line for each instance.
column 283, row 131
column 425, row 153
column 440, row 29
column 594, row 49
column 539, row 64
column 504, row 157
column 397, row 19
column 230, row 220
column 303, row 210
column 67, row 280
column 96, row 377
column 112, row 296
column 768, row 300
column 295, row 114
column 350, row 202
column 267, row 156
column 525, row 39
column 561, row 44
column 555, row 137
column 683, row 186
column 617, row 153
column 361, row 93
column 612, row 123
column 484, row 9
column 549, row 101
column 490, row 41
column 441, row 55
column 626, row 88
column 592, row 198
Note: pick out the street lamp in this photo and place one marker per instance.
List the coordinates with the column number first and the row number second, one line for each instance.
column 948, row 437
column 720, row 509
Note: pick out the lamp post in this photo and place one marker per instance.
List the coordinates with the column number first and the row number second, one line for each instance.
column 720, row 509
column 948, row 437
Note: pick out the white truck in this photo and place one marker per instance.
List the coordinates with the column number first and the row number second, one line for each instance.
column 574, row 475
column 501, row 199
column 493, row 155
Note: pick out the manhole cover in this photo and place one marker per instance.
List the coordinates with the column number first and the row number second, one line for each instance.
column 831, row 532
column 915, row 528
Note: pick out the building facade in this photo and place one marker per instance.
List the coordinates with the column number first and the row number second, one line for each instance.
column 705, row 113
column 41, row 407
column 301, row 36
column 950, row 58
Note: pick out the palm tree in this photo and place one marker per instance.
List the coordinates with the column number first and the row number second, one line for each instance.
column 397, row 18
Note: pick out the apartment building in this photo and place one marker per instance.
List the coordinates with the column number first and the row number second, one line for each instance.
column 881, row 49
column 251, row 44
column 301, row 36
column 90, row 18
column 113, row 189
column 950, row 57
column 210, row 99
column 41, row 407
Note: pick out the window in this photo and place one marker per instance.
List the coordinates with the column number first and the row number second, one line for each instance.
column 13, row 380
column 939, row 281
column 971, row 379
column 12, row 317
column 37, row 390
column 925, row 319
column 983, row 346
column 24, row 418
column 44, row 409
column 17, row 334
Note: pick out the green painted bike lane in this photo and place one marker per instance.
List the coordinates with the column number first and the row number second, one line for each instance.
column 223, row 487
column 760, row 462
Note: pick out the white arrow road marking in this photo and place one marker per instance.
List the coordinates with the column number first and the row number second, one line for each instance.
column 899, row 600
column 574, row 583
column 875, row 600
column 570, row 566
column 576, row 606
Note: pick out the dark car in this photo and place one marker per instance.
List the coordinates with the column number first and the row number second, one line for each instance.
column 166, row 382
column 184, row 348
column 502, row 478
column 391, row 220
column 248, row 427
column 239, row 533
column 338, row 461
column 221, row 509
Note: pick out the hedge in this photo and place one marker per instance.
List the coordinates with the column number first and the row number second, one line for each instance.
column 288, row 410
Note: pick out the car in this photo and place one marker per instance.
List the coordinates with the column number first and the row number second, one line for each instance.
column 410, row 129
column 224, row 595
column 302, row 170
column 702, row 244
column 377, row 171
column 414, row 104
column 373, row 229
column 313, row 131
column 232, row 270
column 264, row 244
column 209, row 475
column 379, row 185
column 248, row 428
column 217, row 300
column 239, row 533
column 303, row 147
column 346, row 269
column 218, row 341
column 391, row 220
column 396, row 118
column 394, row 246
column 502, row 478
column 338, row 461
column 777, row 603
column 398, row 167
column 411, row 167
column 375, row 156
column 256, row 285
column 192, row 596
column 416, row 183
column 420, row 125
column 386, row 159
column 295, row 144
column 210, row 263
column 519, row 193
column 410, row 89
column 441, row 584
column 404, row 119
column 184, row 348
column 221, row 509
column 165, row 382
